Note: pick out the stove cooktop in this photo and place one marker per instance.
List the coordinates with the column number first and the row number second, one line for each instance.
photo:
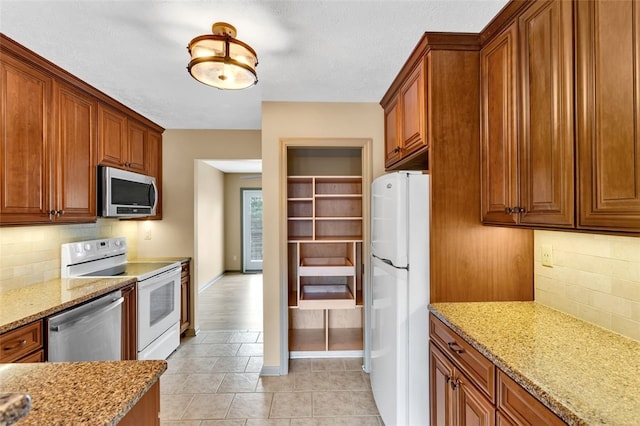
column 140, row 270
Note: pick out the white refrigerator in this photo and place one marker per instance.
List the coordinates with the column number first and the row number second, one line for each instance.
column 399, row 323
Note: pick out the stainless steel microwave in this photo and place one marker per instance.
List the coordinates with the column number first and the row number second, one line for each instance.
column 126, row 194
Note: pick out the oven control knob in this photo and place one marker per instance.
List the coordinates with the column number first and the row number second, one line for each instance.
column 117, row 243
column 87, row 247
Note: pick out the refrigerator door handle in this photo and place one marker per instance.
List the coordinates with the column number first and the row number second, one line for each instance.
column 390, row 263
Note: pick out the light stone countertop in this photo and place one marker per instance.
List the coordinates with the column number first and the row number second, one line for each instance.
column 24, row 305
column 585, row 374
column 88, row 393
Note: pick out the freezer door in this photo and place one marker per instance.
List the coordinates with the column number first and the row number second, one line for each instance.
column 389, row 218
column 389, row 337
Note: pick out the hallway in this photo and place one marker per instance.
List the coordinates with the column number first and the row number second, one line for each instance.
column 214, row 378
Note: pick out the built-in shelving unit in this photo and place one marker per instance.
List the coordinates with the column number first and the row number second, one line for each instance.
column 325, row 236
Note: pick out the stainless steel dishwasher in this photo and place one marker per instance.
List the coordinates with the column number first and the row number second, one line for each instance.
column 90, row 332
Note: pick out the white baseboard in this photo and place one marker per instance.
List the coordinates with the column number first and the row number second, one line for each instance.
column 270, row 370
column 210, row 283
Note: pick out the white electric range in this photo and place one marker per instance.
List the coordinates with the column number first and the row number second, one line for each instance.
column 158, row 289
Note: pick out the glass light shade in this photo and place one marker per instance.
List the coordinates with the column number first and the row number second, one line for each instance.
column 221, row 61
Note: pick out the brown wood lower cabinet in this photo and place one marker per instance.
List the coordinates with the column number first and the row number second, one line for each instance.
column 454, row 398
column 185, row 295
column 517, row 406
column 129, row 323
column 466, row 388
column 146, row 412
column 23, row 344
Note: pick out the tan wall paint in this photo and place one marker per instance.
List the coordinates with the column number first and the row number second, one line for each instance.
column 281, row 120
column 594, row 277
column 174, row 235
column 210, row 221
column 233, row 183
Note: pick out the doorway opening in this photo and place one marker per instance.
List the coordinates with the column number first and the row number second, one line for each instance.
column 251, row 230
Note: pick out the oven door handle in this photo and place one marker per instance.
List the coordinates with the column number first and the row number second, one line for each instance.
column 154, row 279
column 87, row 317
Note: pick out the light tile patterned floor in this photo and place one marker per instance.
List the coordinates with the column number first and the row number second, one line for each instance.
column 213, row 378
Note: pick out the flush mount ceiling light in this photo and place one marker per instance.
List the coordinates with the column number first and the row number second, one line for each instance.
column 222, row 61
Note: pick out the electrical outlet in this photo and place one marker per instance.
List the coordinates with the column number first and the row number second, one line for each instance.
column 547, row 256
column 147, row 234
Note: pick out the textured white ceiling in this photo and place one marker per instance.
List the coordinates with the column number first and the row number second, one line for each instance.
column 309, row 50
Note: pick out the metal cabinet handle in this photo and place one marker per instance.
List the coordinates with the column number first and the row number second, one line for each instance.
column 454, row 346
column 510, row 210
column 16, row 346
column 455, row 384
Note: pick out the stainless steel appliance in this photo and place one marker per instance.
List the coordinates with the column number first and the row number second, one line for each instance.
column 126, row 194
column 158, row 289
column 90, row 332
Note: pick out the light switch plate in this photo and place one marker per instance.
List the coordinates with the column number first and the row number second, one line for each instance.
column 547, row 255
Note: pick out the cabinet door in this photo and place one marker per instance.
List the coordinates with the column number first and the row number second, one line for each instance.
column 499, row 152
column 129, row 323
column 473, row 408
column 546, row 120
column 392, row 149
column 519, row 407
column 608, row 113
column 112, row 137
column 440, row 375
column 25, row 140
column 154, row 166
column 136, row 147
column 184, row 303
column 412, row 114
column 75, row 156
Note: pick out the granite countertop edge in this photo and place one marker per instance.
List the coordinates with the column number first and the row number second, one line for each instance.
column 133, row 401
column 556, row 406
column 117, row 284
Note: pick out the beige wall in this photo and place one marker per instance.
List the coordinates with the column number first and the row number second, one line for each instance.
column 31, row 254
column 281, row 120
column 209, row 219
column 594, row 277
column 233, row 183
column 174, row 235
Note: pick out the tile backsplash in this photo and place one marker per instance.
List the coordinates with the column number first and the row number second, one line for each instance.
column 31, row 254
column 593, row 277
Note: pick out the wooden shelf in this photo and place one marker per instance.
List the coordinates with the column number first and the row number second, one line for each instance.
column 325, row 256
column 345, row 339
column 326, row 266
column 334, row 296
column 302, row 339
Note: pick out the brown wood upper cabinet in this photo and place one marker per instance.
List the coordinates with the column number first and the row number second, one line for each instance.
column 55, row 129
column 48, row 170
column 608, row 96
column 122, row 142
column 527, row 119
column 405, row 117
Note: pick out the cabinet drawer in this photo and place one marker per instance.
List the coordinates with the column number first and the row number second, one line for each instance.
column 21, row 341
column 520, row 406
column 34, row 357
column 476, row 366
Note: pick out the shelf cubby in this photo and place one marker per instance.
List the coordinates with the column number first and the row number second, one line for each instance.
column 325, row 231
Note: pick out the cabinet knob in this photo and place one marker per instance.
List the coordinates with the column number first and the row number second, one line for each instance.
column 60, row 212
column 397, row 149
